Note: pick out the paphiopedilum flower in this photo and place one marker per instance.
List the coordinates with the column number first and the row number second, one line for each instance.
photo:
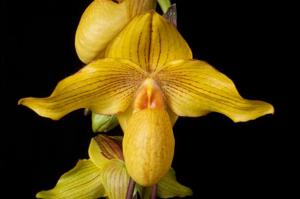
column 105, row 175
column 102, row 21
column 147, row 79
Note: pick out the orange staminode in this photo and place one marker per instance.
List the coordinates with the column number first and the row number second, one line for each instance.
column 148, row 95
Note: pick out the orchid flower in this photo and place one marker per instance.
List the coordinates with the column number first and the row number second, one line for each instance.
column 147, row 78
column 105, row 175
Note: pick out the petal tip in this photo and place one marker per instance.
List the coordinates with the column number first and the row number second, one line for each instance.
column 40, row 109
column 271, row 109
column 21, row 101
column 27, row 101
column 261, row 109
column 39, row 194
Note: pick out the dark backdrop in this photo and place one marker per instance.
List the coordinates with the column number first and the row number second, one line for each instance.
column 214, row 156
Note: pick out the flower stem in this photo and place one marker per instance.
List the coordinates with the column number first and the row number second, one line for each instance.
column 154, row 192
column 130, row 189
column 164, row 5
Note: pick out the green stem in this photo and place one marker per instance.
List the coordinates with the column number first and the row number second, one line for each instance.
column 164, row 5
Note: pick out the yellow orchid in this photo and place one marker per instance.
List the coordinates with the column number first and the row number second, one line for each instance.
column 102, row 21
column 148, row 77
column 105, row 175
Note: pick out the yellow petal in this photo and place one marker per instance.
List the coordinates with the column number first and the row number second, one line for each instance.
column 194, row 88
column 83, row 181
column 105, row 86
column 149, row 40
column 100, row 23
column 115, row 179
column 148, row 146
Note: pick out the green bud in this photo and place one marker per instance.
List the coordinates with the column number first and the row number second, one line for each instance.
column 103, row 123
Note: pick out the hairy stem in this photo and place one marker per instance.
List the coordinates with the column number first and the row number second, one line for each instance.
column 130, row 189
column 154, row 192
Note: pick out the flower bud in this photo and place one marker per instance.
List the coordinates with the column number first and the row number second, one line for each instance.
column 102, row 21
column 103, row 123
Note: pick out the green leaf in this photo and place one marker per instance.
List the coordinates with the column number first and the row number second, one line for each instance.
column 138, row 190
column 103, row 123
column 168, row 187
column 115, row 179
column 81, row 182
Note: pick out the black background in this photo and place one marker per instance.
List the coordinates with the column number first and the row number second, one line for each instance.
column 251, row 42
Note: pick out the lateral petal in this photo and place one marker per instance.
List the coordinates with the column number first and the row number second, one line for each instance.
column 83, row 181
column 104, row 86
column 194, row 88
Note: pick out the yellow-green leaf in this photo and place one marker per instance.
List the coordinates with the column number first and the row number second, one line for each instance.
column 150, row 41
column 82, row 182
column 115, row 179
column 194, row 88
column 104, row 86
column 168, row 187
column 148, row 145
